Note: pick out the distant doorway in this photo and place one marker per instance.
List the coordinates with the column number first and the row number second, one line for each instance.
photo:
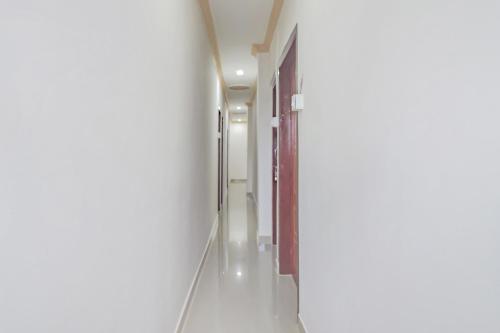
column 238, row 139
column 288, row 171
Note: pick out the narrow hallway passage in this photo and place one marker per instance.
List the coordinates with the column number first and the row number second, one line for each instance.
column 361, row 138
column 239, row 290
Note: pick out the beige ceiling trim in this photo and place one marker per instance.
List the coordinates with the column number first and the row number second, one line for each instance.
column 271, row 28
column 212, row 36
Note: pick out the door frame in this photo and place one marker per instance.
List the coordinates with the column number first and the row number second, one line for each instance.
column 220, row 161
column 288, row 235
column 274, row 168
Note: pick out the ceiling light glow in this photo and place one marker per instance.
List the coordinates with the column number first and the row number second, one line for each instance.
column 240, row 72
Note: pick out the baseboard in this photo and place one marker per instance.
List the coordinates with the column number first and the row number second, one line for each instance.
column 196, row 278
column 300, row 322
column 267, row 240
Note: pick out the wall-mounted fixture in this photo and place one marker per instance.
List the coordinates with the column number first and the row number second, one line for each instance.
column 275, row 122
column 297, row 102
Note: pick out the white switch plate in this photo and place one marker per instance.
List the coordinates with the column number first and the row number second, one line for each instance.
column 275, row 122
column 297, row 102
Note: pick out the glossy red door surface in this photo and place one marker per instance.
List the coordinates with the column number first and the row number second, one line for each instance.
column 221, row 162
column 288, row 219
column 275, row 173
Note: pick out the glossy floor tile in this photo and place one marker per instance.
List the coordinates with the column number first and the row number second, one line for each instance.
column 239, row 290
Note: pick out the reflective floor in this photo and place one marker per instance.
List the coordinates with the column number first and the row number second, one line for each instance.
column 239, row 290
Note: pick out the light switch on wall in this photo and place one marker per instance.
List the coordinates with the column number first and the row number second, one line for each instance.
column 298, row 102
column 275, row 122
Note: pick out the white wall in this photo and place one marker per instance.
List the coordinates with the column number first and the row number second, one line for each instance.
column 108, row 163
column 251, row 151
column 264, row 110
column 252, row 160
column 238, row 138
column 398, row 166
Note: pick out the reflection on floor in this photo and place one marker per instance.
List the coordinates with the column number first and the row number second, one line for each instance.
column 239, row 290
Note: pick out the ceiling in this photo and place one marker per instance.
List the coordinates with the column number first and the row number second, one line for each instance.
column 238, row 25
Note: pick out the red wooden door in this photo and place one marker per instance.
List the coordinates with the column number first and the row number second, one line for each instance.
column 275, row 173
column 288, row 220
column 221, row 161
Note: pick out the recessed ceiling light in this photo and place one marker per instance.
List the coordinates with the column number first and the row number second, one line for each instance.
column 240, row 72
column 238, row 108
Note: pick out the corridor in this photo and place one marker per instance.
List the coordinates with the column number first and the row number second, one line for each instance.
column 152, row 151
column 239, row 290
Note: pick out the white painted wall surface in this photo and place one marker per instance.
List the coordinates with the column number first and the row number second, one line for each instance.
column 252, row 160
column 238, row 138
column 399, row 157
column 255, row 185
column 108, row 163
column 264, row 110
column 251, row 149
